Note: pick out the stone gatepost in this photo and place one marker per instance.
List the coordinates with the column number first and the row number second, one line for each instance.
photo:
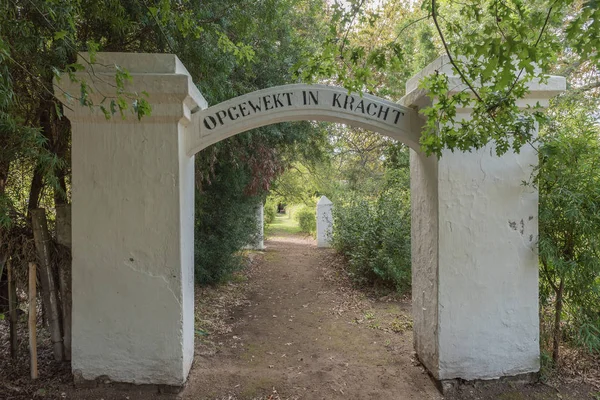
column 324, row 222
column 133, row 225
column 259, row 241
column 474, row 253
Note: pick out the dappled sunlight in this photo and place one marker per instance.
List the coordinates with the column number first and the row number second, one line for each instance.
column 298, row 239
column 285, row 230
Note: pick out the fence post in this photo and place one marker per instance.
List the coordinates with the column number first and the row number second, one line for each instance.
column 31, row 321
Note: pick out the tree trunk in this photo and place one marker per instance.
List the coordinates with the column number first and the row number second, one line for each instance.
column 4, row 167
column 41, row 237
column 60, row 197
column 557, row 317
column 63, row 237
column 13, row 304
column 60, row 148
column 35, row 189
column 3, row 283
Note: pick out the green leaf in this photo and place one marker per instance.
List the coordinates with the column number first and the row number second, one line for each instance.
column 57, row 110
column 60, row 35
column 92, row 48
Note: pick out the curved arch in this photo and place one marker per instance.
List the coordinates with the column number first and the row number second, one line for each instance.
column 299, row 102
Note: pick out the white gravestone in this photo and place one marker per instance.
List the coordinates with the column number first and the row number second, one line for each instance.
column 324, row 222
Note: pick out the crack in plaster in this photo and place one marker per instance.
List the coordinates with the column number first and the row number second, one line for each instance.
column 139, row 271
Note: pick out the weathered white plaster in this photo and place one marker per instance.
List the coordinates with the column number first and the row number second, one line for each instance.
column 475, row 271
column 303, row 102
column 324, row 222
column 424, row 254
column 132, row 219
column 259, row 241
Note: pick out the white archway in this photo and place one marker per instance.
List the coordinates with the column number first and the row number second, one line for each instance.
column 301, row 102
column 474, row 253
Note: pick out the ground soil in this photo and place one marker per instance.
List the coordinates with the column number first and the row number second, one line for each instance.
column 302, row 335
column 292, row 326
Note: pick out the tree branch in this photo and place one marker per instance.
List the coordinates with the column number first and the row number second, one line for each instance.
column 447, row 49
column 548, row 277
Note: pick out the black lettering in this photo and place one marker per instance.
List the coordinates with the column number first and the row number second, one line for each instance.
column 220, row 115
column 267, row 103
column 278, row 102
column 243, row 110
column 212, row 120
column 231, row 115
column 361, row 105
column 255, row 108
column 336, row 99
column 313, row 97
column 398, row 113
column 346, row 103
column 369, row 109
column 385, row 113
column 289, row 98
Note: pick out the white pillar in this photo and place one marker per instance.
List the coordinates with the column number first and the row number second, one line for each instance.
column 133, row 226
column 474, row 254
column 324, row 222
column 259, row 243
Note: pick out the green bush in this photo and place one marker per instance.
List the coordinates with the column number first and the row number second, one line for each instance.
column 225, row 224
column 307, row 220
column 568, row 179
column 270, row 211
column 374, row 235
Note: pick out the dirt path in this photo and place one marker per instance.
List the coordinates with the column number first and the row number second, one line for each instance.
column 303, row 335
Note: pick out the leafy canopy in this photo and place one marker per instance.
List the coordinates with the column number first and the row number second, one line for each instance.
column 495, row 47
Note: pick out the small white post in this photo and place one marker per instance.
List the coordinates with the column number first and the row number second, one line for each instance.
column 260, row 220
column 324, row 222
column 258, row 241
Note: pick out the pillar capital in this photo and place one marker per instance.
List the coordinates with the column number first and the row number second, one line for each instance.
column 416, row 97
column 160, row 78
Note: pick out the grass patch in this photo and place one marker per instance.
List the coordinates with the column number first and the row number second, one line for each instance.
column 283, row 225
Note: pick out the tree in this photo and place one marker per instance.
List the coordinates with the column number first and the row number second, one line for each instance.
column 492, row 48
column 568, row 179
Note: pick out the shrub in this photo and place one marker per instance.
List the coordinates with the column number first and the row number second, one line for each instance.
column 225, row 224
column 568, row 179
column 306, row 217
column 374, row 235
column 270, row 211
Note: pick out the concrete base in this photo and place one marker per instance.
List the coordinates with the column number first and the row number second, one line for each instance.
column 454, row 386
column 104, row 381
